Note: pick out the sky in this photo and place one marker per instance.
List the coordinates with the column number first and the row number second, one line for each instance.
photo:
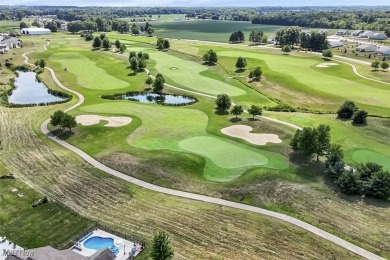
column 185, row 3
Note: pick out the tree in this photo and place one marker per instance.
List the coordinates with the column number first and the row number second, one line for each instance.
column 223, row 102
column 106, row 43
column 69, row 122
column 56, row 118
column 256, row 73
column 305, row 141
column 52, row 26
column 255, row 111
column 348, row 182
column 132, row 54
column 384, row 65
column 117, row 44
column 150, row 31
column 375, row 65
column 323, row 137
column 134, row 64
column 122, row 48
column 97, row 42
column 286, row 49
column 241, row 63
column 327, row 54
column 22, row 25
column 160, row 41
column 360, row 117
column 149, row 81
column 158, row 84
column 380, row 184
column 210, row 57
column 237, row 110
column 102, row 36
column 41, row 63
column 347, row 109
column 334, row 165
column 161, row 248
column 166, row 44
column 135, row 29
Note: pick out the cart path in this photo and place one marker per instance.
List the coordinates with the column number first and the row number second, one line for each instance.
column 187, row 195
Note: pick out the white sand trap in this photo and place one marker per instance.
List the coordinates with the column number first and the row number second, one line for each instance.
column 113, row 121
column 326, row 65
column 244, row 132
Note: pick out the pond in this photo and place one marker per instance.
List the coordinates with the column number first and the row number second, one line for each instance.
column 161, row 99
column 29, row 91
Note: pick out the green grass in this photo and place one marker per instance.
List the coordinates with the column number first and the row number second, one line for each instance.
column 333, row 84
column 88, row 74
column 8, row 25
column 189, row 74
column 364, row 156
column 228, row 155
column 48, row 224
column 207, row 30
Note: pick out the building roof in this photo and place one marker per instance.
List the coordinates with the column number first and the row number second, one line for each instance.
column 364, row 46
column 103, row 254
column 35, row 29
column 367, row 33
column 383, row 49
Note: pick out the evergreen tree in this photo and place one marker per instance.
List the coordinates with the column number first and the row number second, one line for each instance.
column 161, row 248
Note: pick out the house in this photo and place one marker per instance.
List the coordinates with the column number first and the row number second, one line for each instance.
column 366, row 34
column 366, row 48
column 34, row 31
column 9, row 43
column 49, row 253
column 335, row 44
column 384, row 51
column 343, row 32
column 378, row 36
column 357, row 32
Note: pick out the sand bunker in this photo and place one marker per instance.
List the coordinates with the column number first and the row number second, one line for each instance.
column 326, row 65
column 244, row 132
column 113, row 121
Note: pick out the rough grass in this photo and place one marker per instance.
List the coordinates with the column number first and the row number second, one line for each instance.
column 29, row 227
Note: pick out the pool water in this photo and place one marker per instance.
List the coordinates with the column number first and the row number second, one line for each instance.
column 29, row 91
column 98, row 243
column 161, row 99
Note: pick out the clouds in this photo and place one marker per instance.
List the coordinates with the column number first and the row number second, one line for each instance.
column 186, row 3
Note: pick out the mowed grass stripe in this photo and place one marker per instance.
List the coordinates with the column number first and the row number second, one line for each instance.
column 304, row 70
column 188, row 73
column 88, row 74
column 364, row 156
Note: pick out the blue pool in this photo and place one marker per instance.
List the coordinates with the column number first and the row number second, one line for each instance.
column 98, row 243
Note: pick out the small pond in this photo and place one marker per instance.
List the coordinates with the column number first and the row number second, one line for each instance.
column 160, row 99
column 29, row 91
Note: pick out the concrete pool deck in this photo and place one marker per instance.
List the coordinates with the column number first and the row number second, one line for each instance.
column 7, row 248
column 124, row 246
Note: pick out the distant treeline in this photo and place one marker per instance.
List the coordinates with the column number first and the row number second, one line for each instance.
column 370, row 18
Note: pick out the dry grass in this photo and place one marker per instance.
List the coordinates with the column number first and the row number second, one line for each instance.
column 198, row 230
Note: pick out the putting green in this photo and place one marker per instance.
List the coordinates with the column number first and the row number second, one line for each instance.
column 363, row 156
column 319, row 80
column 183, row 129
column 188, row 74
column 87, row 73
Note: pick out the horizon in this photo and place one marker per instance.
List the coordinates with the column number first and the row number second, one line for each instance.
column 197, row 3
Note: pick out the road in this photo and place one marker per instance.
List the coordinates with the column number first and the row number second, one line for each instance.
column 187, row 195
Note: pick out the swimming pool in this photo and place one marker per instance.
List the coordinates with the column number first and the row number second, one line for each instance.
column 98, row 243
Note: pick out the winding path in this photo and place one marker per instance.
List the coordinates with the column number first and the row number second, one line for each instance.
column 310, row 228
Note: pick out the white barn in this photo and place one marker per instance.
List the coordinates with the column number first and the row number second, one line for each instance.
column 367, row 48
column 335, row 44
column 385, row 51
column 35, row 31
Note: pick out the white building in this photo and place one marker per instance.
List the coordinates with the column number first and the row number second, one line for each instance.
column 343, row 32
column 357, row 32
column 35, row 31
column 367, row 48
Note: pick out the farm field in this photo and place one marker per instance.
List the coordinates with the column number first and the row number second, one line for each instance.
column 183, row 148
column 8, row 25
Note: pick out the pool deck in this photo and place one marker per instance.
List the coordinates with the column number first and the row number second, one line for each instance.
column 124, row 248
column 7, row 247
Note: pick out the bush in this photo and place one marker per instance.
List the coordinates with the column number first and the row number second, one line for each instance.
column 347, row 110
column 360, row 117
